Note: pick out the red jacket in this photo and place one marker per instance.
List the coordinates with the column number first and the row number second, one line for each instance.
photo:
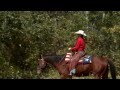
column 80, row 45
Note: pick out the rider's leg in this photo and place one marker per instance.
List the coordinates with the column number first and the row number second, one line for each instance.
column 74, row 61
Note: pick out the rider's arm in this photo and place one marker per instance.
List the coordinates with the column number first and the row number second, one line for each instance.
column 77, row 45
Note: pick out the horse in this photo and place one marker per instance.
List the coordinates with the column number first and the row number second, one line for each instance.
column 99, row 67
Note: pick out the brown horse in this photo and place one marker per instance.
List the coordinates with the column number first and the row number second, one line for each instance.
column 99, row 67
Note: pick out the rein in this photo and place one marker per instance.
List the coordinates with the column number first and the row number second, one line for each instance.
column 62, row 59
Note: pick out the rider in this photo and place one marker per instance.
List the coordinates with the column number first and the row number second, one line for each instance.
column 79, row 48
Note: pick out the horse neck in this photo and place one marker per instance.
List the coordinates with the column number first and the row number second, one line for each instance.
column 50, row 62
column 53, row 61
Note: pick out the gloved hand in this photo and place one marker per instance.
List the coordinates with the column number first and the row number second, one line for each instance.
column 69, row 48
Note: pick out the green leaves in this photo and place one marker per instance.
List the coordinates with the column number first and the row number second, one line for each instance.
column 26, row 34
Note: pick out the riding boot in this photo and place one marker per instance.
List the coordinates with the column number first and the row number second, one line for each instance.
column 72, row 72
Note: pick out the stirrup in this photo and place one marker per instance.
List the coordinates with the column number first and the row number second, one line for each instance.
column 72, row 72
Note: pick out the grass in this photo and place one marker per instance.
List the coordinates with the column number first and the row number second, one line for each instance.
column 51, row 73
column 10, row 72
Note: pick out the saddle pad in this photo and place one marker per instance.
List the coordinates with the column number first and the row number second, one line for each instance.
column 68, row 57
column 86, row 60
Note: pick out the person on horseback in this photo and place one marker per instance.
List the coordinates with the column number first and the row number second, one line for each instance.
column 79, row 48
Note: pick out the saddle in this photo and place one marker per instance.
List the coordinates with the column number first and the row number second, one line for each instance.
column 85, row 59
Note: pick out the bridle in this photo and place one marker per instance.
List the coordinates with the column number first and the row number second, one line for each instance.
column 41, row 62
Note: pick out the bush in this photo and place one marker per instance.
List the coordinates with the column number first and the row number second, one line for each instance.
column 27, row 34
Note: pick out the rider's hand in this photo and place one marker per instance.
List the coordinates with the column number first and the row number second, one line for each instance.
column 69, row 48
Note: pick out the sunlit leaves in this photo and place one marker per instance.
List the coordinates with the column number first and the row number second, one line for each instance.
column 26, row 34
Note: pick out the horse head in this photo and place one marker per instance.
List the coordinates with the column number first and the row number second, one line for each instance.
column 41, row 64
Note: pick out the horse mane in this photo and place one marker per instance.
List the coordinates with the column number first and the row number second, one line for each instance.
column 54, row 58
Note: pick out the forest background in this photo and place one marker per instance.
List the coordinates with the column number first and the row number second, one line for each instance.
column 24, row 35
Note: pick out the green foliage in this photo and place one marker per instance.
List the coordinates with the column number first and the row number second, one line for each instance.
column 26, row 34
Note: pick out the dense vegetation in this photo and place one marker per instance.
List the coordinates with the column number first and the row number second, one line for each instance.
column 26, row 34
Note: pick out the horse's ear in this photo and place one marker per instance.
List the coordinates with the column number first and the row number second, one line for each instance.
column 41, row 56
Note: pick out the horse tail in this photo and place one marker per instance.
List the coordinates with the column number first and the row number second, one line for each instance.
column 112, row 69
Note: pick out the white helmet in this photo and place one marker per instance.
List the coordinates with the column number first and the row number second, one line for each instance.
column 81, row 32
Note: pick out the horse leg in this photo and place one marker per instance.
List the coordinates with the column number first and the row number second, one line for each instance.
column 97, row 76
column 62, row 77
column 65, row 77
column 105, row 75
